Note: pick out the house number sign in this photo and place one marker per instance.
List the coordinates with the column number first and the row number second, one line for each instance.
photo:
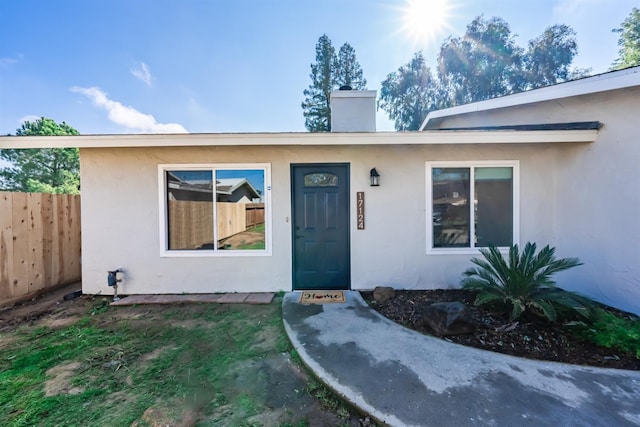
column 360, row 209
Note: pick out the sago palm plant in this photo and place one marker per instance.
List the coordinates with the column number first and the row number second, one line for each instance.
column 524, row 283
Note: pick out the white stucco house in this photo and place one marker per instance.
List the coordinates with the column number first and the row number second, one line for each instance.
column 557, row 165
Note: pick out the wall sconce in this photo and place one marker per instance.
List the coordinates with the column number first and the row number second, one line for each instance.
column 374, row 178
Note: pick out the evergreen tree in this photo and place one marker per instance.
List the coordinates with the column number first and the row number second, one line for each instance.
column 328, row 73
column 46, row 170
column 348, row 70
column 316, row 108
column 629, row 42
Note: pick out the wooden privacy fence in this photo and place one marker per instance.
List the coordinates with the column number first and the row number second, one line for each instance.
column 191, row 222
column 39, row 242
column 255, row 214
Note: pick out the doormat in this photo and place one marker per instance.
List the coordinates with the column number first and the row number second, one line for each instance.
column 321, row 297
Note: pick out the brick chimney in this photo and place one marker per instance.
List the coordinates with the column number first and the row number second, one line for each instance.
column 353, row 110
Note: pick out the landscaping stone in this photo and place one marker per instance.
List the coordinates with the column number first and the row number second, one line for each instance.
column 449, row 318
column 383, row 294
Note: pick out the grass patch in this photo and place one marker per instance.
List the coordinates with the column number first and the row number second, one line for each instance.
column 327, row 398
column 255, row 245
column 141, row 366
column 257, row 228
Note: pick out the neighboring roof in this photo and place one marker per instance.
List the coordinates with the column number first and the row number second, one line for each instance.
column 612, row 80
column 229, row 185
column 176, row 183
column 435, row 137
column 542, row 126
column 224, row 186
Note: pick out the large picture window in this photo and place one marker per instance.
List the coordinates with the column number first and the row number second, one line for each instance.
column 215, row 209
column 471, row 205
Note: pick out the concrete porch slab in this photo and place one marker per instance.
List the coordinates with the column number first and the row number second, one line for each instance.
column 230, row 298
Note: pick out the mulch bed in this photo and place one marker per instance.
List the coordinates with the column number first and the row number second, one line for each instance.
column 525, row 338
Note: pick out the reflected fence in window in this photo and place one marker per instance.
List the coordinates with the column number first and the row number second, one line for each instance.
column 191, row 224
column 215, row 209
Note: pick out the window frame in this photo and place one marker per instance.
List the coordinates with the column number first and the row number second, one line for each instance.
column 213, row 167
column 471, row 250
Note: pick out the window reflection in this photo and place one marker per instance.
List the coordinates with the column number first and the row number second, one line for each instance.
column 493, row 206
column 450, row 207
column 238, row 211
column 190, row 209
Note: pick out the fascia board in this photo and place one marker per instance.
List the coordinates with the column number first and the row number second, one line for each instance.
column 431, row 137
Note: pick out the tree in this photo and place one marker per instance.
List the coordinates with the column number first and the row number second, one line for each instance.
column 348, row 70
column 629, row 42
column 549, row 56
column 482, row 64
column 408, row 94
column 329, row 72
column 50, row 170
column 316, row 108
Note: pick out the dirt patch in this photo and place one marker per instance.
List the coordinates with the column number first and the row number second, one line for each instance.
column 154, row 354
column 59, row 380
column 526, row 338
column 267, row 338
column 280, row 385
column 59, row 322
column 162, row 416
column 7, row 340
column 37, row 307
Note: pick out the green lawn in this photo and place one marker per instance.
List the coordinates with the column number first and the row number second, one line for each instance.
column 204, row 364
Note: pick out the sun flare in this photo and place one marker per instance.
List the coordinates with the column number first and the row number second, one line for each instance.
column 425, row 20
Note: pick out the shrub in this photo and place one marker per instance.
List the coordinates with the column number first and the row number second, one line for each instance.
column 524, row 283
column 611, row 331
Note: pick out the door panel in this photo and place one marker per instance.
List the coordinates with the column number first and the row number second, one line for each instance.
column 320, row 203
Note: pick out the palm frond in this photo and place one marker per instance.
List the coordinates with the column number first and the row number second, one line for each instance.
column 517, row 309
column 545, row 308
column 486, row 297
column 523, row 281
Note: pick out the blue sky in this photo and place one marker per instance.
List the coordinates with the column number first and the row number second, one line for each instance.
column 140, row 66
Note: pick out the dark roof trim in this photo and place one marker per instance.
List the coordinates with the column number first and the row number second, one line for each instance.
column 540, row 126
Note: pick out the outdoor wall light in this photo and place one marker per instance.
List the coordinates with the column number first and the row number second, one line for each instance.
column 374, row 177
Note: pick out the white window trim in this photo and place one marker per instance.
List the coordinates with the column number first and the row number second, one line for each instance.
column 515, row 164
column 162, row 199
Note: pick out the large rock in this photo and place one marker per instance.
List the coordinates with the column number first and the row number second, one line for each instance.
column 383, row 294
column 449, row 318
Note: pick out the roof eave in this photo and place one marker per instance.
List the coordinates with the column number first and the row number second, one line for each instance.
column 599, row 83
column 430, row 137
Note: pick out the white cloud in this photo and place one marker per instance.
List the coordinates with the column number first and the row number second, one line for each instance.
column 9, row 61
column 142, row 74
column 128, row 117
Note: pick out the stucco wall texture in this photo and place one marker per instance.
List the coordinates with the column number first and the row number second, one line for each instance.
column 593, row 191
column 579, row 197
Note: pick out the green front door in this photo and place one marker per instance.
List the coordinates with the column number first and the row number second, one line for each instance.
column 320, row 203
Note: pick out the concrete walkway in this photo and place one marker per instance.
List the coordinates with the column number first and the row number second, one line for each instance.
column 404, row 378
